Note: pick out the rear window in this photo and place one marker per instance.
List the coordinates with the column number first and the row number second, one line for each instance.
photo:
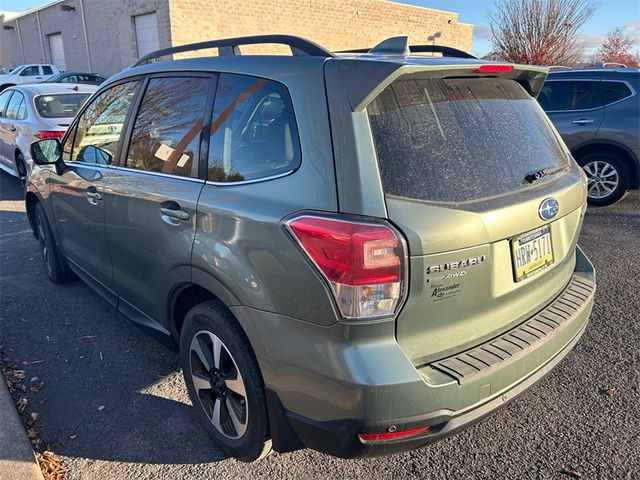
column 460, row 139
column 60, row 105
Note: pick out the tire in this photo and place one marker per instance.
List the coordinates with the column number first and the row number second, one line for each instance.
column 229, row 397
column 21, row 169
column 55, row 265
column 608, row 175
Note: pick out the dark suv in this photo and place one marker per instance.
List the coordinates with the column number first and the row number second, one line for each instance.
column 355, row 253
column 597, row 112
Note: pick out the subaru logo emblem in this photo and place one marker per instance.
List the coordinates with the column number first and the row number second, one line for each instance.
column 548, row 208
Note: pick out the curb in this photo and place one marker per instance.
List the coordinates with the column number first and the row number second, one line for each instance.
column 17, row 460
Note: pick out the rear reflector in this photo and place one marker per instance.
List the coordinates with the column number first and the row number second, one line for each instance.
column 382, row 437
column 492, row 69
column 361, row 262
column 44, row 134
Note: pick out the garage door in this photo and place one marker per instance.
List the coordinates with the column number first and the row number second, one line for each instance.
column 56, row 48
column 146, row 33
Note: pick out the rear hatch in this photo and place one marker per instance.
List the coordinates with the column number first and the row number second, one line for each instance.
column 487, row 196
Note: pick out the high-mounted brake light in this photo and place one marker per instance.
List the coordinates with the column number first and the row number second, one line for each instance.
column 382, row 437
column 362, row 262
column 44, row 134
column 492, row 69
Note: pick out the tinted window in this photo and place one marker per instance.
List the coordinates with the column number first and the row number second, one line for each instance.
column 456, row 140
column 166, row 134
column 253, row 130
column 4, row 99
column 22, row 111
column 100, row 126
column 60, row 105
column 613, row 91
column 47, row 70
column 569, row 95
column 30, row 71
column 14, row 105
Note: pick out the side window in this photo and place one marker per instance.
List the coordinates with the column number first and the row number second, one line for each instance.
column 29, row 71
column 166, row 133
column 46, row 70
column 253, row 130
column 71, row 79
column 100, row 126
column 614, row 91
column 22, row 111
column 14, row 106
column 569, row 95
column 4, row 99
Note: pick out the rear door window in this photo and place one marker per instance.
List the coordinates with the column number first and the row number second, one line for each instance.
column 460, row 139
column 166, row 133
column 14, row 106
column 46, row 70
column 4, row 99
column 559, row 95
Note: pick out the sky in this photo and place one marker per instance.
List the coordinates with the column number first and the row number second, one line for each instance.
column 609, row 15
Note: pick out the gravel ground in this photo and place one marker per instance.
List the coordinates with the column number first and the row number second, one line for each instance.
column 116, row 405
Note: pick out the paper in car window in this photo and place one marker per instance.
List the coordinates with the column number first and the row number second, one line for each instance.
column 165, row 151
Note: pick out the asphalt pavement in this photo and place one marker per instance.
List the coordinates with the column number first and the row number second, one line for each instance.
column 114, row 404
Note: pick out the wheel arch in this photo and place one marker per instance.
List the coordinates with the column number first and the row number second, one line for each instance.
column 621, row 150
column 31, row 200
column 186, row 295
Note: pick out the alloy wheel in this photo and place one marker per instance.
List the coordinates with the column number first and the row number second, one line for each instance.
column 218, row 384
column 603, row 178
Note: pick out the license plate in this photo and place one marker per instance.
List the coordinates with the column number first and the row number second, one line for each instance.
column 531, row 252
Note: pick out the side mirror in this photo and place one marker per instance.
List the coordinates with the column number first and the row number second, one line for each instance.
column 46, row 152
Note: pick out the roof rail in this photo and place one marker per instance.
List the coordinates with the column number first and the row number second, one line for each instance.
column 400, row 46
column 559, row 67
column 230, row 46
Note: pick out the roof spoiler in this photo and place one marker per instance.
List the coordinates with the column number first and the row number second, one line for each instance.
column 364, row 79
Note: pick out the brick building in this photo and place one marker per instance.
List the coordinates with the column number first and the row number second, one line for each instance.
column 105, row 36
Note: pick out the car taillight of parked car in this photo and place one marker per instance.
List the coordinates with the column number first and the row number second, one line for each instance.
column 363, row 263
column 45, row 134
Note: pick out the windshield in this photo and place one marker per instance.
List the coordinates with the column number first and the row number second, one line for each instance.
column 460, row 139
column 15, row 71
column 60, row 105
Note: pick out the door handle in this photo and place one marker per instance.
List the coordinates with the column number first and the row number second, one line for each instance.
column 12, row 128
column 177, row 214
column 583, row 121
column 38, row 78
column 93, row 196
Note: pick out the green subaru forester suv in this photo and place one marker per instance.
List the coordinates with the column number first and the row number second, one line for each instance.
column 358, row 253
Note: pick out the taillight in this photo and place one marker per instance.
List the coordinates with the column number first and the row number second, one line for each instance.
column 362, row 262
column 44, row 134
column 492, row 69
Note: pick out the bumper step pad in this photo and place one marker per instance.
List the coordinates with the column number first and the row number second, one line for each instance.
column 492, row 355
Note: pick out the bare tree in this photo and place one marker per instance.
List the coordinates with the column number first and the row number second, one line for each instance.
column 541, row 32
column 616, row 49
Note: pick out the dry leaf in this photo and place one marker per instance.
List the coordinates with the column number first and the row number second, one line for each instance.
column 100, row 408
column 73, row 437
column 37, row 387
column 31, row 433
column 22, row 404
column 35, row 416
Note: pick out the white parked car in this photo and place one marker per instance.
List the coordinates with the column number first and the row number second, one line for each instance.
column 26, row 74
column 34, row 112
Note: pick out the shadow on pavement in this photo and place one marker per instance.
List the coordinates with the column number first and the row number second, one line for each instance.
column 110, row 391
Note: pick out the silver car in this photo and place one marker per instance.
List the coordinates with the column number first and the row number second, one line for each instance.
column 35, row 112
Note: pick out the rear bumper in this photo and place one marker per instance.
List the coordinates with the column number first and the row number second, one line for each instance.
column 340, row 438
column 332, row 384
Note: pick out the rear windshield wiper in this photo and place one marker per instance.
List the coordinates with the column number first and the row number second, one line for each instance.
column 536, row 175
